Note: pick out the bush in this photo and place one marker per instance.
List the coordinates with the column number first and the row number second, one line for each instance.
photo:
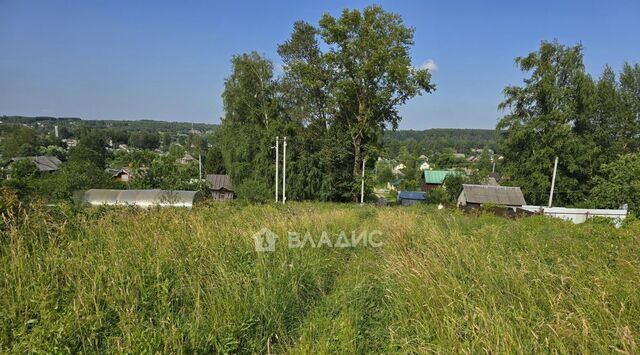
column 438, row 195
column 253, row 191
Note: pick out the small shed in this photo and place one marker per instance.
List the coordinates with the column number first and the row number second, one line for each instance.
column 408, row 198
column 220, row 186
column 121, row 175
column 477, row 195
column 140, row 198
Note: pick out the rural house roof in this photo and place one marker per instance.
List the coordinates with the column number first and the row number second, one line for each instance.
column 43, row 163
column 411, row 195
column 438, row 176
column 219, row 182
column 500, row 195
column 115, row 172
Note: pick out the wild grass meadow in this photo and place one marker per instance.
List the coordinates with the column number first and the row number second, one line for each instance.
column 125, row 280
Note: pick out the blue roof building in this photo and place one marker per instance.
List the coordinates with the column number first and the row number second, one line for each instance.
column 408, row 198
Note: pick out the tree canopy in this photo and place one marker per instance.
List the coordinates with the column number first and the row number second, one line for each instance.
column 562, row 111
column 341, row 86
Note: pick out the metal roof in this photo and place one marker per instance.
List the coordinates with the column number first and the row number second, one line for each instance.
column 219, row 182
column 43, row 163
column 438, row 176
column 500, row 195
column 140, row 198
column 117, row 172
column 412, row 195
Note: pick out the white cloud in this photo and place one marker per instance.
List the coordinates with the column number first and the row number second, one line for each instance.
column 429, row 64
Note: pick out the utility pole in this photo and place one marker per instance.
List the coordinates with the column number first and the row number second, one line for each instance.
column 200, row 165
column 284, row 171
column 362, row 183
column 553, row 181
column 277, row 163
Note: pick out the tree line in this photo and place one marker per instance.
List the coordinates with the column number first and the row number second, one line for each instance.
column 592, row 125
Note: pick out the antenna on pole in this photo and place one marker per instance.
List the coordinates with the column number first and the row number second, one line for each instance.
column 284, row 171
column 362, row 182
column 553, row 181
column 277, row 163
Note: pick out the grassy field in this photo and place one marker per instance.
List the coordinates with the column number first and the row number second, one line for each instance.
column 185, row 281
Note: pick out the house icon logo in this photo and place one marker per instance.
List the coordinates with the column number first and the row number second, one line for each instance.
column 265, row 240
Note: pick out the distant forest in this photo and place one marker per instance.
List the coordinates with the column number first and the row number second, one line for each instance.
column 439, row 140
column 436, row 140
column 43, row 123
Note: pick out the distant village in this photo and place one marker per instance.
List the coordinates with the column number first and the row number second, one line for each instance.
column 471, row 182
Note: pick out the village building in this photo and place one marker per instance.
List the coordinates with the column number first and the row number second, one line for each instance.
column 186, row 159
column 434, row 179
column 44, row 164
column 397, row 170
column 408, row 198
column 70, row 143
column 123, row 175
column 220, row 187
column 425, row 166
column 477, row 195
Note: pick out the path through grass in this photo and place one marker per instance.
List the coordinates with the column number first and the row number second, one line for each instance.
column 127, row 280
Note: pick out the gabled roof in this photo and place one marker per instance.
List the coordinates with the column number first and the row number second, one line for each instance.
column 43, row 163
column 412, row 195
column 499, row 195
column 438, row 176
column 115, row 172
column 219, row 182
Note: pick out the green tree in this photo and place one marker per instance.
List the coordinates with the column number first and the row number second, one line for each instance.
column 253, row 190
column 214, row 162
column 548, row 117
column 345, row 95
column 91, row 148
column 166, row 141
column 144, row 140
column 18, row 141
column 619, row 184
column 164, row 173
column 370, row 73
column 23, row 168
column 74, row 175
column 385, row 174
column 252, row 118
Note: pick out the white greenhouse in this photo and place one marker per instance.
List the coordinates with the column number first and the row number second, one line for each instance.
column 140, row 198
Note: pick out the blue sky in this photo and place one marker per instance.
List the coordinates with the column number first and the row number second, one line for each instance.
column 168, row 60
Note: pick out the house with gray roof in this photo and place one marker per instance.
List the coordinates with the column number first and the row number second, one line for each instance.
column 477, row 195
column 220, row 186
column 45, row 164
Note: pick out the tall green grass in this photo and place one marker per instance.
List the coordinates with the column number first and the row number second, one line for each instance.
column 173, row 280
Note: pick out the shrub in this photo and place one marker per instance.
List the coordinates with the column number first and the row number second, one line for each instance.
column 438, row 195
column 253, row 191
